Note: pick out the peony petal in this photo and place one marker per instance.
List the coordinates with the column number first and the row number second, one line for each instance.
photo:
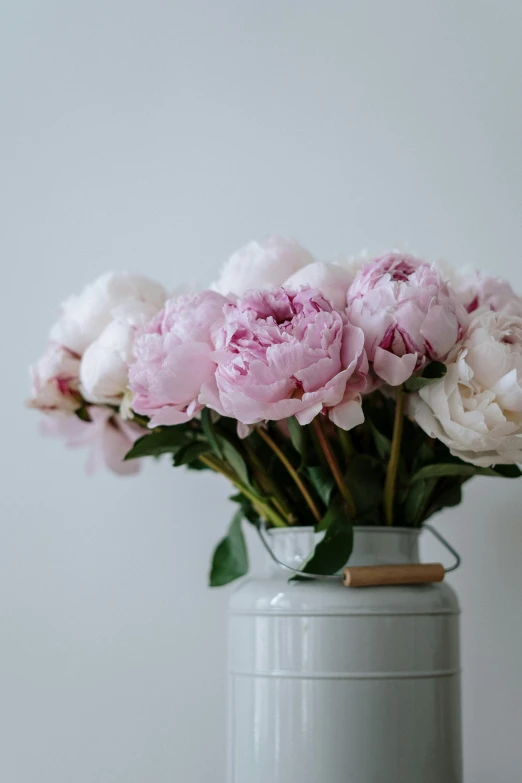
column 331, row 280
column 209, row 396
column 243, row 430
column 167, row 416
column 347, row 414
column 394, row 369
column 440, row 330
column 308, row 414
column 260, row 265
column 115, row 446
column 509, row 391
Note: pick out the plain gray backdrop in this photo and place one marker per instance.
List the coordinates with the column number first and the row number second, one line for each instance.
column 158, row 137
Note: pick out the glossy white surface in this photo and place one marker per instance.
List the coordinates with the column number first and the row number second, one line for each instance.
column 330, row 684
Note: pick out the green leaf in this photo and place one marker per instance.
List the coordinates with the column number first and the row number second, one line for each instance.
column 449, row 493
column 322, row 481
column 333, row 552
column 297, row 435
column 382, row 443
column 365, row 480
column 444, row 496
column 441, row 469
column 508, row 471
column 190, row 453
column 336, row 508
column 157, row 442
column 235, row 460
column 423, row 453
column 82, row 413
column 248, row 509
column 417, row 499
column 452, row 496
column 230, row 559
column 196, row 464
column 209, row 432
column 432, row 373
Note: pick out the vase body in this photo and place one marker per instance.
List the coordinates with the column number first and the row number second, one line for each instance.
column 336, row 685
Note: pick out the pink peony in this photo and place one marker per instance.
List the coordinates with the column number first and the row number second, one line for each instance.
column 408, row 315
column 55, row 381
column 283, row 354
column 107, row 437
column 174, row 358
column 494, row 293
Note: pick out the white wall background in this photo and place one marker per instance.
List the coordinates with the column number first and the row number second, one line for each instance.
column 158, row 137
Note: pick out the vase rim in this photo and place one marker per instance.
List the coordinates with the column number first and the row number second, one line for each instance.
column 358, row 528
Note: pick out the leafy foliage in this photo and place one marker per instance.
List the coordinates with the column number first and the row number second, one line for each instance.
column 365, row 480
column 230, row 559
column 284, row 476
column 298, row 438
column 190, row 453
column 210, row 433
column 432, row 373
column 166, row 440
column 334, row 550
column 322, row 481
column 236, row 461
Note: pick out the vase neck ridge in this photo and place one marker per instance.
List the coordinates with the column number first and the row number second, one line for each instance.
column 372, row 545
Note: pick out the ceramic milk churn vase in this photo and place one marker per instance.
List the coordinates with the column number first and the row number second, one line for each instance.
column 336, row 685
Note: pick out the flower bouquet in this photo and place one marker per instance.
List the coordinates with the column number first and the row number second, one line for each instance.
column 329, row 395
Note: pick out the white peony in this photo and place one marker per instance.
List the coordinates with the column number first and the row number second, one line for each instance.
column 104, row 367
column 331, row 280
column 476, row 410
column 84, row 317
column 55, row 381
column 261, row 265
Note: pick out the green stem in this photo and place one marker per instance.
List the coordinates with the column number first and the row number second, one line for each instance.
column 393, row 464
column 262, row 508
column 334, row 467
column 268, row 486
column 291, row 471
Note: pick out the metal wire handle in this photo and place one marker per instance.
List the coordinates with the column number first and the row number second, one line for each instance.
column 335, row 577
column 446, row 545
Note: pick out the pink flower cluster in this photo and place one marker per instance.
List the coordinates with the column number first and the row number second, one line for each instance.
column 279, row 335
column 297, row 349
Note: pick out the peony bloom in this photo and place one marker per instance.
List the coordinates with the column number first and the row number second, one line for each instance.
column 408, row 315
column 174, row 358
column 261, row 265
column 55, row 381
column 107, row 437
column 283, row 354
column 84, row 317
column 87, row 362
column 104, row 367
column 331, row 280
column 493, row 292
column 476, row 410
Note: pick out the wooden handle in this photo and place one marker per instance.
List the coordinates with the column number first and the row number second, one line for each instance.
column 408, row 574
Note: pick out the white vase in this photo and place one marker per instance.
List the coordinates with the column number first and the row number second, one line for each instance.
column 330, row 684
